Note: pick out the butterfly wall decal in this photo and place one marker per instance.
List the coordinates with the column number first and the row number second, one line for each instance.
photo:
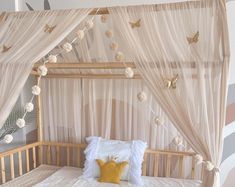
column 135, row 24
column 171, row 83
column 5, row 48
column 49, row 29
column 194, row 38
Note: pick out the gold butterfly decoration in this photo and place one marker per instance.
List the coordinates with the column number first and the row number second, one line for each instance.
column 171, row 83
column 48, row 28
column 2, row 15
column 5, row 48
column 135, row 24
column 193, row 39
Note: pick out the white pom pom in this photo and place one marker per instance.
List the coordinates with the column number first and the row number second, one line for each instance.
column 109, row 33
column 29, row 107
column 20, row 122
column 113, row 46
column 129, row 73
column 104, row 18
column 198, row 159
column 209, row 166
column 42, row 70
column 158, row 121
column 142, row 96
column 119, row 56
column 52, row 59
column 178, row 140
column 80, row 34
column 8, row 138
column 36, row 90
column 67, row 47
column 89, row 24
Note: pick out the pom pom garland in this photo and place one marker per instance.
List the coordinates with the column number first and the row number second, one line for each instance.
column 52, row 59
column 209, row 166
column 42, row 70
column 89, row 24
column 142, row 96
column 67, row 47
column 178, row 140
column 129, row 73
column 113, row 46
column 20, row 122
column 158, row 121
column 119, row 56
column 36, row 90
column 80, row 34
column 109, row 33
column 198, row 159
column 8, row 138
column 29, row 107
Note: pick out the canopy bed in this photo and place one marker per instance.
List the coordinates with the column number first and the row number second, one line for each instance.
column 179, row 50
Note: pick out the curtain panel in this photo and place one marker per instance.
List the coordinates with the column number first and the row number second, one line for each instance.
column 24, row 40
column 181, row 51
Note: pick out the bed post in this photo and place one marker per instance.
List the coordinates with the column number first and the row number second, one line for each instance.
column 39, row 123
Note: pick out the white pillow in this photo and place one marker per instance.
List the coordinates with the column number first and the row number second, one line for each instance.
column 130, row 151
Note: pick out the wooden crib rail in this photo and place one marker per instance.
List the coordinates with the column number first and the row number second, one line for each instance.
column 156, row 163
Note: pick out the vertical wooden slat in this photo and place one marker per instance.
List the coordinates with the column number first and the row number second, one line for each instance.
column 49, row 154
column 34, row 157
column 27, row 160
column 68, row 156
column 181, row 166
column 39, row 115
column 202, row 172
column 79, row 157
column 3, row 171
column 57, row 155
column 156, row 163
column 193, row 168
column 144, row 172
column 168, row 166
column 20, row 163
column 12, row 166
column 40, row 154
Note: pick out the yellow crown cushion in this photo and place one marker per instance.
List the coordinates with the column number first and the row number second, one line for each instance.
column 110, row 171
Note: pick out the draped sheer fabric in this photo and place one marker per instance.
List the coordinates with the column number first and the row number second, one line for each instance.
column 23, row 33
column 161, row 51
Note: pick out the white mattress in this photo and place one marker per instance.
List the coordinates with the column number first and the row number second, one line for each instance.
column 47, row 176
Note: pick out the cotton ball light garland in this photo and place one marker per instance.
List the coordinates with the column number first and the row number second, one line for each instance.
column 36, row 90
column 20, row 122
column 42, row 70
column 67, row 47
column 142, row 96
column 52, row 59
column 119, row 56
column 80, row 34
column 109, row 33
column 178, row 140
column 198, row 159
column 29, row 107
column 89, row 24
column 158, row 121
column 113, row 46
column 129, row 73
column 104, row 18
column 8, row 138
column 209, row 166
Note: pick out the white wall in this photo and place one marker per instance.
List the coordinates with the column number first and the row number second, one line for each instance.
column 7, row 5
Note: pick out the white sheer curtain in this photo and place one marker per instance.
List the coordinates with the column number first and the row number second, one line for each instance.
column 23, row 42
column 161, row 51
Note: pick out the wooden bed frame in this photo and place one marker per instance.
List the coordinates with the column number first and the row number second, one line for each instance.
column 18, row 161
column 24, row 159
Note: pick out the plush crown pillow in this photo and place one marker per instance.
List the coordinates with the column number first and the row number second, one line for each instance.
column 130, row 151
column 110, row 171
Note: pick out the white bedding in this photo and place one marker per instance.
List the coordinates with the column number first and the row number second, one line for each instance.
column 71, row 177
